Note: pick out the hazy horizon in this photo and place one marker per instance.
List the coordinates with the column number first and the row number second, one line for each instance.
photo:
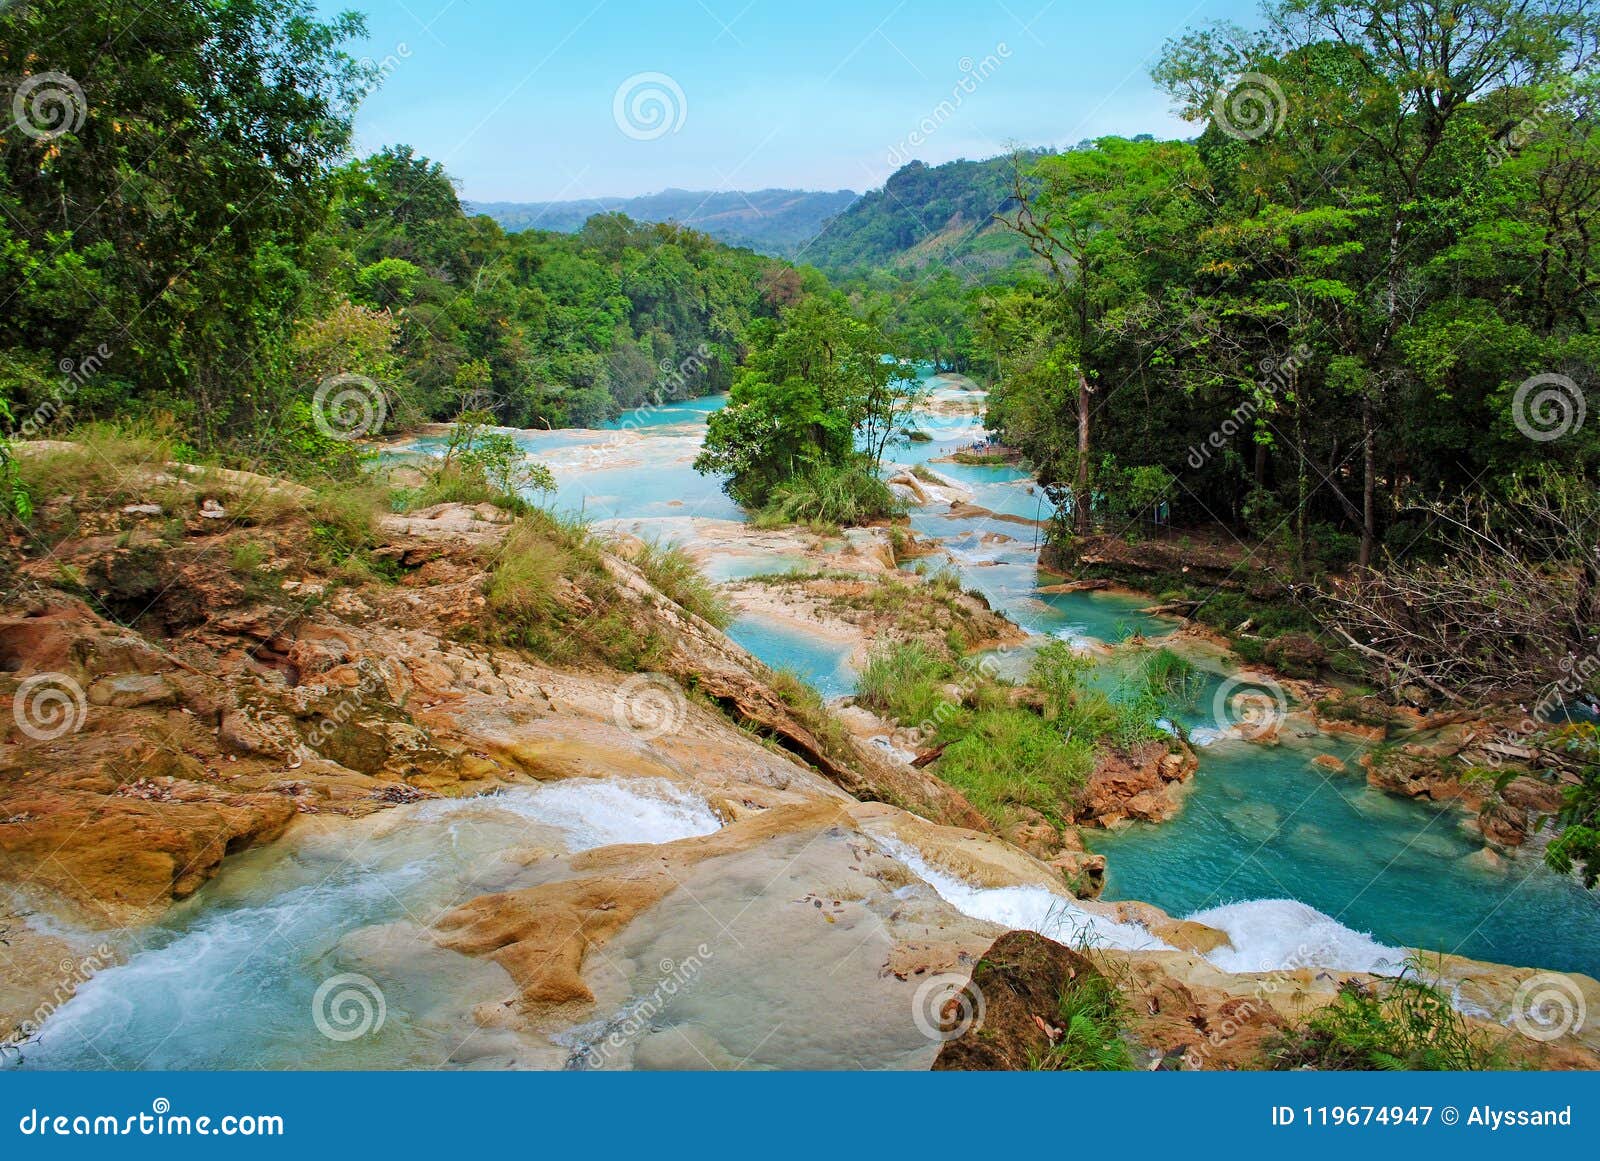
column 617, row 99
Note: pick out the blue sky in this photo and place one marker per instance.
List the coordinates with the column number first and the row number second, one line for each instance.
column 520, row 100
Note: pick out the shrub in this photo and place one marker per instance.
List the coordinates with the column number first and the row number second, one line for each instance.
column 905, row 682
column 14, row 497
column 1078, row 711
column 481, row 466
column 830, row 496
column 1295, row 655
column 1169, row 677
column 675, row 574
column 1402, row 1024
column 1578, row 844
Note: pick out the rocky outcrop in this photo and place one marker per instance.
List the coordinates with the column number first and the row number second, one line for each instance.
column 244, row 694
column 1016, row 987
column 1144, row 783
column 1462, row 763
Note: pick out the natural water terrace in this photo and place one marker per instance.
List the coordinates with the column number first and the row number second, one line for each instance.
column 1263, row 827
column 1298, row 865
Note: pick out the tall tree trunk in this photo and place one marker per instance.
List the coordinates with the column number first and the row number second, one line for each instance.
column 1369, row 483
column 1302, row 502
column 1081, row 499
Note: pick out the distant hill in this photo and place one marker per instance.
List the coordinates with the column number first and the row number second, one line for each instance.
column 923, row 216
column 778, row 222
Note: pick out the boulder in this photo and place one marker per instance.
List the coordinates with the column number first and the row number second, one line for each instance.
column 1144, row 783
column 130, row 690
column 1016, row 986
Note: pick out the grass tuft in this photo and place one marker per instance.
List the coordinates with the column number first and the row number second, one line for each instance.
column 548, row 592
column 675, row 573
column 1089, row 1016
column 1401, row 1024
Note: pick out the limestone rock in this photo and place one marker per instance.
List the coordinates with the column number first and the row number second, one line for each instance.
column 130, row 690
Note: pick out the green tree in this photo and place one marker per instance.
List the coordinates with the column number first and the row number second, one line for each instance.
column 813, row 384
column 1087, row 215
column 170, row 209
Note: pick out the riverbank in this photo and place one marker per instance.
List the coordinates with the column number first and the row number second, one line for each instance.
column 265, row 787
column 986, row 542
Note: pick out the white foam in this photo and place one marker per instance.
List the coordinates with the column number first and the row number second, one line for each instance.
column 1266, row 934
column 1277, row 934
column 1025, row 908
column 161, row 1006
column 598, row 812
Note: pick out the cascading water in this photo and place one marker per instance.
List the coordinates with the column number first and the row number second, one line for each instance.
column 1262, row 826
column 232, row 980
column 1299, row 867
column 1026, row 908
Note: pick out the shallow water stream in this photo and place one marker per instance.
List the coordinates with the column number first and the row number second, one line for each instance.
column 1297, row 864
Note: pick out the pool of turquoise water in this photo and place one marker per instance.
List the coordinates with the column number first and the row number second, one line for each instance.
column 1265, row 822
column 667, row 414
column 822, row 663
column 640, row 466
column 1258, row 823
column 742, row 566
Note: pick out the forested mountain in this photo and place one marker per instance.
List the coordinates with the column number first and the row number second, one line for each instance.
column 770, row 221
column 925, row 216
column 544, row 328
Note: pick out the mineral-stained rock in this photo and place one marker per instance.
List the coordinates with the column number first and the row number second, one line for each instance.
column 1019, row 980
column 541, row 935
column 129, row 690
column 124, row 858
column 1143, row 783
